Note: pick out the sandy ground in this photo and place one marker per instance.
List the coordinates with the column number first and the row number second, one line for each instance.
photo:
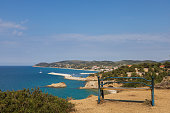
column 162, row 103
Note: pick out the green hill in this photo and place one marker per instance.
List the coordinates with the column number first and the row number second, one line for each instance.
column 88, row 64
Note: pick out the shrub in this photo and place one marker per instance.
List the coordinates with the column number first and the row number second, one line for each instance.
column 153, row 70
column 32, row 101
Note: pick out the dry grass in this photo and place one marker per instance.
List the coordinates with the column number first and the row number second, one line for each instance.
column 162, row 103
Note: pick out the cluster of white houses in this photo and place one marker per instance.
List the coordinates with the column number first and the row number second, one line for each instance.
column 105, row 68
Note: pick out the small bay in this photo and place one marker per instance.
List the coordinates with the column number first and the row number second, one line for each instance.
column 19, row 77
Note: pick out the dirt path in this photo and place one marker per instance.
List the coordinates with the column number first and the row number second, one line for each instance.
column 162, row 103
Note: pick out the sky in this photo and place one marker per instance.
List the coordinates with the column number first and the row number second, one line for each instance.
column 33, row 31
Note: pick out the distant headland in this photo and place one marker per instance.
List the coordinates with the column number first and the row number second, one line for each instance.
column 92, row 65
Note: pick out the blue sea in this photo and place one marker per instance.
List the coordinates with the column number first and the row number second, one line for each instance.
column 19, row 77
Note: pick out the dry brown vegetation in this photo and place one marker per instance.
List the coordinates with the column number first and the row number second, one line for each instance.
column 162, row 103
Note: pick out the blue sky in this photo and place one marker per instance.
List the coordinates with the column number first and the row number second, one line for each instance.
column 33, row 31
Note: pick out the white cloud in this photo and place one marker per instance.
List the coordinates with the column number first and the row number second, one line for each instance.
column 10, row 25
column 13, row 28
column 18, row 33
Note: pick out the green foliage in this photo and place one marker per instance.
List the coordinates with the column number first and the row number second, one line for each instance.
column 78, row 64
column 167, row 64
column 32, row 101
column 135, row 84
column 153, row 70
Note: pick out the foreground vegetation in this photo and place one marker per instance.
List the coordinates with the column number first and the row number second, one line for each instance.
column 32, row 101
column 146, row 70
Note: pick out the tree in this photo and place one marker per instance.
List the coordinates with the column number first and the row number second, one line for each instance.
column 32, row 101
column 167, row 64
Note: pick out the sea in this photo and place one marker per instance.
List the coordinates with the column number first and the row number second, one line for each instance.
column 20, row 77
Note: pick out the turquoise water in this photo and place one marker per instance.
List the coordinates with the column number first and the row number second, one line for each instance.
column 19, row 77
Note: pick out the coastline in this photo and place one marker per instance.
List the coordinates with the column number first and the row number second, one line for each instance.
column 41, row 80
column 66, row 68
column 68, row 76
column 91, row 82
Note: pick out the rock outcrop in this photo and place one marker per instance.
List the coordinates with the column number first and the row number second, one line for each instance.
column 165, row 83
column 90, row 85
column 91, row 78
column 57, row 85
column 94, row 85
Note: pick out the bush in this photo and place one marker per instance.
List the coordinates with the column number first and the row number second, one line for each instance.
column 32, row 101
column 154, row 70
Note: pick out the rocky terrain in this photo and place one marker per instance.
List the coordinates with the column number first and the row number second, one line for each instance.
column 57, row 85
column 165, row 83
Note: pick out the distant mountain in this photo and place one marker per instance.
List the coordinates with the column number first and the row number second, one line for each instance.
column 88, row 64
column 165, row 61
column 130, row 62
column 73, row 62
column 44, row 64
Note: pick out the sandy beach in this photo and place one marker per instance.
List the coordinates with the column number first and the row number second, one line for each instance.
column 162, row 103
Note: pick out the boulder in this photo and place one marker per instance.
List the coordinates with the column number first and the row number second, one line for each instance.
column 90, row 85
column 165, row 83
column 94, row 85
column 91, row 78
column 58, row 85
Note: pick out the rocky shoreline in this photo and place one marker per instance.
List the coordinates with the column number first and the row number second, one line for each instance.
column 57, row 85
column 91, row 83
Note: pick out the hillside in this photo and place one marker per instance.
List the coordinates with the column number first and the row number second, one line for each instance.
column 146, row 70
column 78, row 64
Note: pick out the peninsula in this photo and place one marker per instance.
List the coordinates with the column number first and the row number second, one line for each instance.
column 67, row 76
